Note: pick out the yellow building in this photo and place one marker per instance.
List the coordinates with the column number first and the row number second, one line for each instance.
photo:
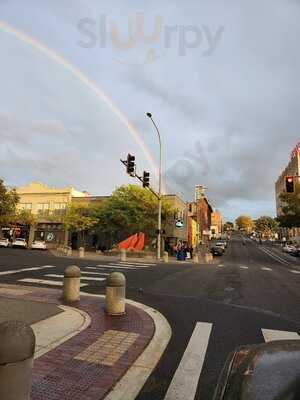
column 48, row 205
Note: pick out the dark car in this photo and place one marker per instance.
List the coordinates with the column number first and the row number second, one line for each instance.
column 217, row 251
column 263, row 371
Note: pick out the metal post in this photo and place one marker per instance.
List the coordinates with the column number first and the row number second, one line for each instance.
column 159, row 189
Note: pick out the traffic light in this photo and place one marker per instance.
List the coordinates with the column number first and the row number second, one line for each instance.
column 146, row 179
column 130, row 166
column 289, row 184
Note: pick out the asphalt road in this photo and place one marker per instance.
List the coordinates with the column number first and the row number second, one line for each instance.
column 252, row 287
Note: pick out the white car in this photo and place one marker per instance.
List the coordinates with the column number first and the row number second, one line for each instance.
column 39, row 245
column 288, row 248
column 4, row 242
column 20, row 242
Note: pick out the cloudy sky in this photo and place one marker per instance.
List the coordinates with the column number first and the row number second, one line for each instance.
column 220, row 77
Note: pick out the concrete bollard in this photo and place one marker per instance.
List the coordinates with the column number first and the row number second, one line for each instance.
column 196, row 258
column 71, row 287
column 17, row 345
column 115, row 294
column 123, row 255
column 69, row 252
column 81, row 252
column 166, row 257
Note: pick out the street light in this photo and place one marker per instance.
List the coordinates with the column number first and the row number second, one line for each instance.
column 149, row 115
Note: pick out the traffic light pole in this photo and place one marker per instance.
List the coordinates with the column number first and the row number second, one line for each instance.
column 159, row 190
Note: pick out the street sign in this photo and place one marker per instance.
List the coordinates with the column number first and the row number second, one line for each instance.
column 179, row 224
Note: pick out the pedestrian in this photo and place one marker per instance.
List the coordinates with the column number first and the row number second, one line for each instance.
column 191, row 251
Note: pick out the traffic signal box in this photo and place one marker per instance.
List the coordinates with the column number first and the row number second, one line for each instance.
column 130, row 166
column 289, row 184
column 146, row 179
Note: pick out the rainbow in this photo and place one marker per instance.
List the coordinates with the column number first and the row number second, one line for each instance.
column 59, row 59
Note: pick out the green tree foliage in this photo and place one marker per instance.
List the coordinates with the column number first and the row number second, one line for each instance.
column 130, row 210
column 8, row 202
column 291, row 208
column 245, row 223
column 266, row 225
column 228, row 226
column 79, row 218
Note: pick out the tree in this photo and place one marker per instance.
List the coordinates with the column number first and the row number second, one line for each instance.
column 228, row 226
column 8, row 203
column 129, row 210
column 245, row 223
column 291, row 208
column 266, row 225
column 79, row 218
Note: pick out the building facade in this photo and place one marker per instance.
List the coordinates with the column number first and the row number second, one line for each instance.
column 292, row 169
column 48, row 206
column 216, row 224
column 176, row 227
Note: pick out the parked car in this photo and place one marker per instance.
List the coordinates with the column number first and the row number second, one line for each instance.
column 4, row 242
column 221, row 244
column 217, row 250
column 20, row 243
column 288, row 248
column 225, row 243
column 39, row 245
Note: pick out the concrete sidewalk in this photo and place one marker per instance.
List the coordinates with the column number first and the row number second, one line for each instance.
column 81, row 352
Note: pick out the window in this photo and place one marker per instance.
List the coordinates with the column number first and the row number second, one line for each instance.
column 43, row 206
column 60, row 208
column 26, row 206
column 43, row 209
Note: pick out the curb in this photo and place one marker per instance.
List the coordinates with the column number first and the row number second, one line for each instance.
column 134, row 379
column 52, row 332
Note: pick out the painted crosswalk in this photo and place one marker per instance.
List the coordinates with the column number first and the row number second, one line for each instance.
column 85, row 278
column 187, row 377
column 46, row 282
column 185, row 381
column 270, row 335
column 17, row 271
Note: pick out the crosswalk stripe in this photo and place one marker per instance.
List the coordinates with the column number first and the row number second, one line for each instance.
column 116, row 267
column 270, row 335
column 46, row 282
column 136, row 264
column 16, row 271
column 94, row 273
column 86, row 278
column 266, row 269
column 185, row 381
column 243, row 267
column 294, row 271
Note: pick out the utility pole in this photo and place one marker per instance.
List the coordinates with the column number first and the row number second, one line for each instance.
column 149, row 115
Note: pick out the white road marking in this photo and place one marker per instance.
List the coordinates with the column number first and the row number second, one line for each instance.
column 266, row 269
column 16, row 271
column 275, row 257
column 136, row 263
column 270, row 335
column 243, row 267
column 220, row 265
column 185, row 380
column 46, row 282
column 94, row 273
column 86, row 278
column 115, row 267
column 294, row 271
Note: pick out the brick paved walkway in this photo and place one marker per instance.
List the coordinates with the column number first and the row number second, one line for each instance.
column 87, row 366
